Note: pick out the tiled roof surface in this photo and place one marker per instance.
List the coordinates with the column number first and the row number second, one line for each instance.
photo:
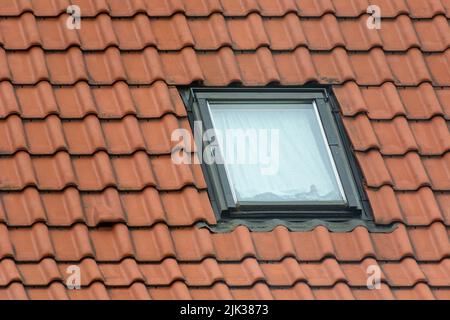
column 87, row 179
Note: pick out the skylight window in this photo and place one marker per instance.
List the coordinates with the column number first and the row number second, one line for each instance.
column 274, row 153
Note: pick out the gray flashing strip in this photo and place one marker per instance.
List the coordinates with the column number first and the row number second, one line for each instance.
column 309, row 225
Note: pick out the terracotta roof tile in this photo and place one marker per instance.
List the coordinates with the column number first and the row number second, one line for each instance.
column 8, row 272
column 399, row 34
column 106, row 67
column 419, row 292
column 218, row 291
column 372, row 68
column 421, row 102
column 162, row 274
column 408, row 172
column 433, row 34
column 438, row 169
column 383, row 102
column 45, row 272
column 260, row 291
column 123, row 274
column 96, row 291
column 133, row 33
column 212, row 36
column 53, row 34
column 420, row 9
column 173, row 33
column 420, row 208
column 356, row 273
column 67, row 67
column 98, row 31
column 437, row 275
column 300, row 291
column 245, row 273
column 177, row 291
column 72, row 244
column 286, row 273
column 443, row 201
column 442, row 294
column 25, row 26
column 326, row 273
column 248, row 33
column 439, row 65
column 324, row 33
column 355, row 245
column 384, row 293
column 15, row 291
column 153, row 244
column 393, row 246
column 395, row 136
column 433, row 137
column 55, row 291
column 340, row 291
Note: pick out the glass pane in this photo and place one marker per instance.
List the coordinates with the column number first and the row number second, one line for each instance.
column 275, row 152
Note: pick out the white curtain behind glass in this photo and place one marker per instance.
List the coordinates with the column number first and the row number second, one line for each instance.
column 305, row 172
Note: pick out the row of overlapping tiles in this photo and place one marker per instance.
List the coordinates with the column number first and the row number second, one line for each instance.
column 124, row 8
column 114, row 242
column 185, row 207
column 127, row 135
column 137, row 171
column 260, row 291
column 383, row 102
column 225, row 66
column 241, row 259
column 215, row 31
column 245, row 273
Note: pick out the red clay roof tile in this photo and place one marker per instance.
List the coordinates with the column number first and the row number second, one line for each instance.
column 212, row 36
column 67, row 67
column 96, row 291
column 421, row 102
column 286, row 273
column 340, row 291
column 97, row 32
column 260, row 291
column 438, row 169
column 177, row 291
column 395, row 136
column 25, row 27
column 433, row 34
column 54, row 35
column 162, row 274
column 407, row 172
column 153, row 244
column 218, row 291
column 420, row 208
column 134, row 34
column 8, row 272
column 419, row 292
column 43, row 273
column 432, row 137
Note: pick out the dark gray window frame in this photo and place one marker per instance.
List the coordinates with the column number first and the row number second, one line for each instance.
column 219, row 189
